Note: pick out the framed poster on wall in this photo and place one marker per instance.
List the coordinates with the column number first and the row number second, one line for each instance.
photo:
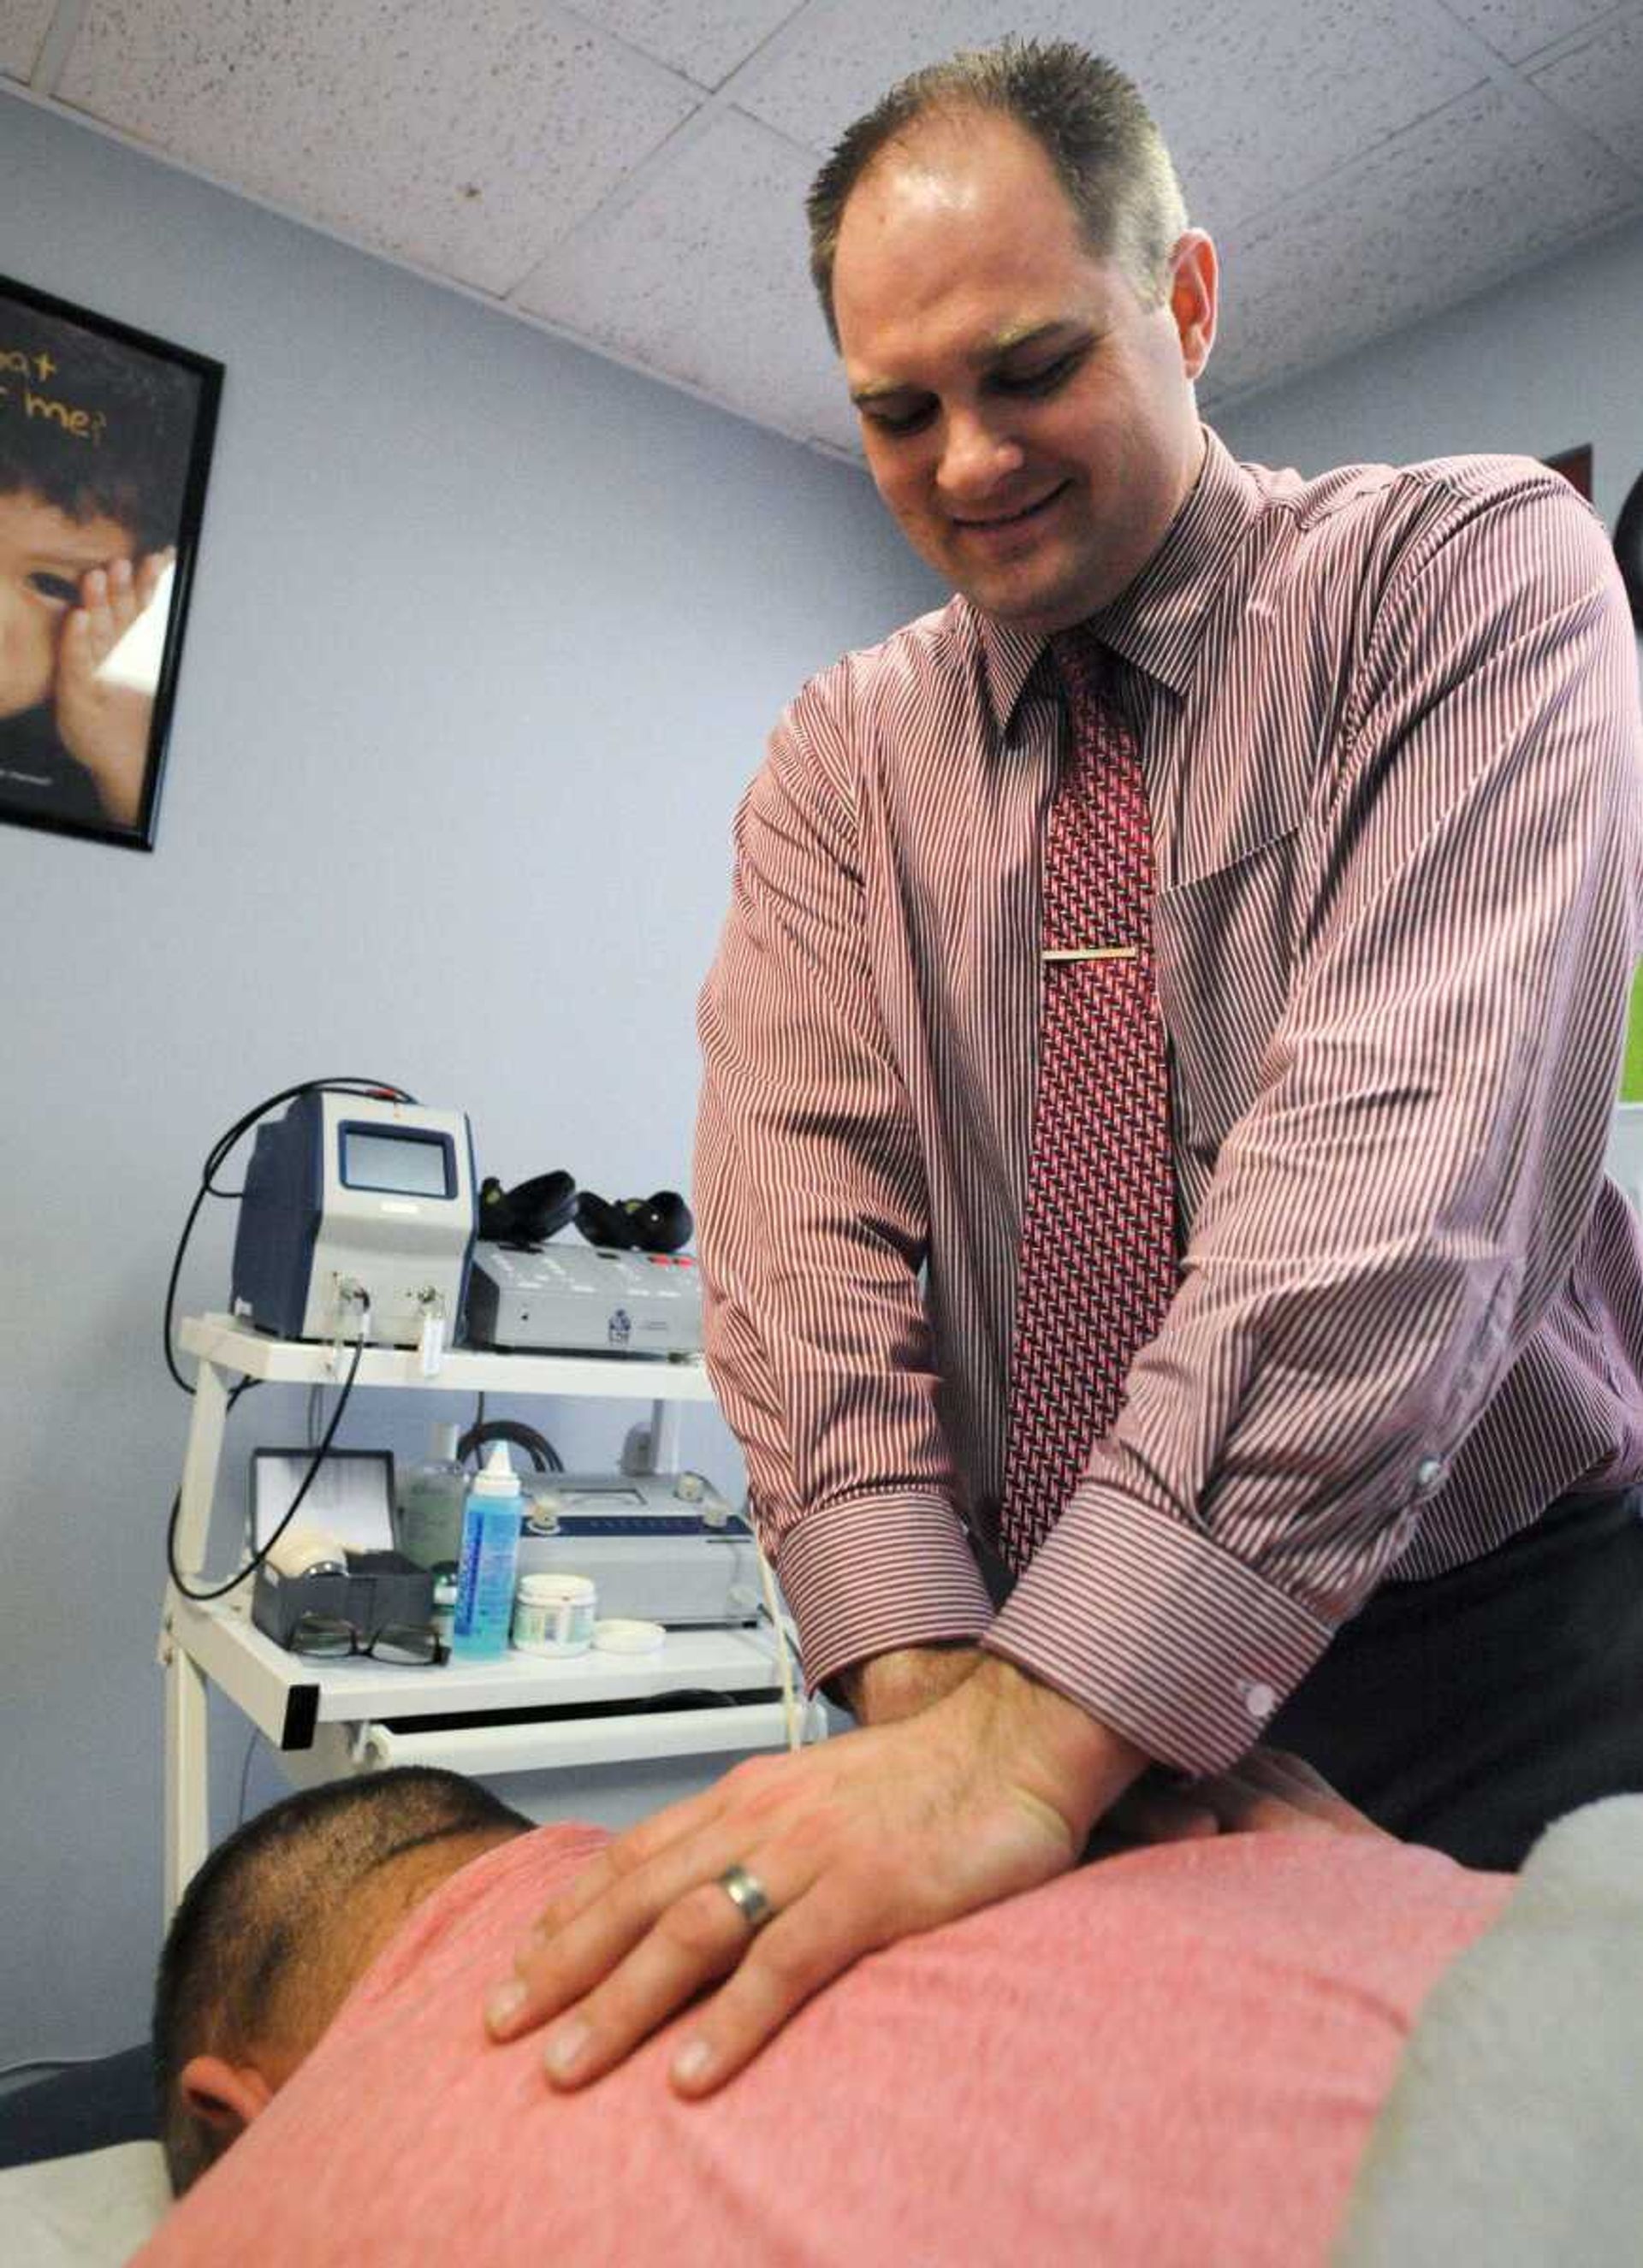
column 105, row 449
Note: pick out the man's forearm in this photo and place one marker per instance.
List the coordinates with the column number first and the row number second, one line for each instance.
column 890, row 1686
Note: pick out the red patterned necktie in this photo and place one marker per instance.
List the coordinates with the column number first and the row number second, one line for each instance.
column 1098, row 1242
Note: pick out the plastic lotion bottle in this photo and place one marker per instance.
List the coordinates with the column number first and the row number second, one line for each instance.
column 433, row 1500
column 490, row 1559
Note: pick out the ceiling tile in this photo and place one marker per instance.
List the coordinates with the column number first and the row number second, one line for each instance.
column 1326, row 142
column 705, row 38
column 1453, row 205
column 843, row 57
column 22, row 28
column 1601, row 85
column 714, row 290
column 471, row 137
column 1516, row 28
column 1256, row 100
column 1260, row 100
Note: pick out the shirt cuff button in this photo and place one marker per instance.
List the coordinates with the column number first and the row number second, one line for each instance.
column 1428, row 1476
column 1260, row 1701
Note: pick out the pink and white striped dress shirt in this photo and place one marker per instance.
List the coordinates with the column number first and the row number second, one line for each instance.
column 1389, row 724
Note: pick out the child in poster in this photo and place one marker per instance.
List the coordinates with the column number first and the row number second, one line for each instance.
column 95, row 440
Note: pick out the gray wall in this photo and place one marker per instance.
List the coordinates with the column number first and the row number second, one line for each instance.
column 486, row 638
column 1541, row 365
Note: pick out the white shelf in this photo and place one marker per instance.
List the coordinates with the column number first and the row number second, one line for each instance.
column 229, row 1345
column 483, row 1749
column 287, row 1697
column 522, row 1714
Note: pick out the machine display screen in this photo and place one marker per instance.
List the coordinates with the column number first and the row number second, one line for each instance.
column 406, row 1165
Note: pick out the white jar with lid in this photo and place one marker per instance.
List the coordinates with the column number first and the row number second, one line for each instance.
column 553, row 1614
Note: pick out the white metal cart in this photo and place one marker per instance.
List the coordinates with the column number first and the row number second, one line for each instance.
column 521, row 1714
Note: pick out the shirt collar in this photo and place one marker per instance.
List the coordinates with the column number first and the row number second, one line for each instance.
column 1157, row 621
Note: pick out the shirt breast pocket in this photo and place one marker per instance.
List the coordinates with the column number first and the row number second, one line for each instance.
column 1224, row 966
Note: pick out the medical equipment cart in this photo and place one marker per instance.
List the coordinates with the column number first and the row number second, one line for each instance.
column 523, row 1714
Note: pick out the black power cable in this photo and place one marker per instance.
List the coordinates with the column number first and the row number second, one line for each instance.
column 540, row 1451
column 258, row 1556
column 378, row 1089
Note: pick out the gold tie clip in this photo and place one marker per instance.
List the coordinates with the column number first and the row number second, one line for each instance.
column 1090, row 953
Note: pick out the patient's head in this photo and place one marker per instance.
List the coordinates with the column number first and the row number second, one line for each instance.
column 277, row 1926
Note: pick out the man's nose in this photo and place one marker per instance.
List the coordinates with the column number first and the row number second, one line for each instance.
column 978, row 455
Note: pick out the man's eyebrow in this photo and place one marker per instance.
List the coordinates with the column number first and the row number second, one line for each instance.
column 995, row 350
column 880, row 389
column 1030, row 335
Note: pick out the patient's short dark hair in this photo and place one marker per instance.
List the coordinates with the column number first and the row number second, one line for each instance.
column 261, row 1898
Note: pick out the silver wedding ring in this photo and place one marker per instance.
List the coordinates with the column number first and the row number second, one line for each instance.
column 748, row 1894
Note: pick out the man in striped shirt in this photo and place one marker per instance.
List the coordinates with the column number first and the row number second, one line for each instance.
column 1370, row 1488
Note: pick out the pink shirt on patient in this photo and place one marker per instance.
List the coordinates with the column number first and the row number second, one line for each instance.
column 1170, row 2058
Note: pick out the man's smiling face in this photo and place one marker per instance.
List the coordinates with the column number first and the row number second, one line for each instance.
column 1027, row 417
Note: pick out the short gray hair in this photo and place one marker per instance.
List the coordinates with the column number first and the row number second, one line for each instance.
column 1088, row 118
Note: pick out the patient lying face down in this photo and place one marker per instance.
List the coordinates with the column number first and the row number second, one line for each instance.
column 1173, row 2056
column 277, row 1926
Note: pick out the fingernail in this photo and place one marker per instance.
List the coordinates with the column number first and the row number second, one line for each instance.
column 692, row 2062
column 565, row 2045
column 504, row 2004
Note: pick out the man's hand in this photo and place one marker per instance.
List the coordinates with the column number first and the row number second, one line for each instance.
column 1271, row 1789
column 1266, row 1792
column 866, row 1839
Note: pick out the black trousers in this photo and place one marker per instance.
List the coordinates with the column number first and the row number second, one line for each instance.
column 1470, row 1711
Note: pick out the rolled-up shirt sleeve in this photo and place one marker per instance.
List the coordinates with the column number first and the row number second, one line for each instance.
column 812, row 1198
column 1388, row 1220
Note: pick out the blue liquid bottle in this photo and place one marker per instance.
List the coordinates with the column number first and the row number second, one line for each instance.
column 489, row 1562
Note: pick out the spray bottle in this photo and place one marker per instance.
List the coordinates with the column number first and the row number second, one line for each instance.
column 490, row 1558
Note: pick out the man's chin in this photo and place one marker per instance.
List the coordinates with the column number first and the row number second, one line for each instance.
column 1039, row 614
column 1038, row 602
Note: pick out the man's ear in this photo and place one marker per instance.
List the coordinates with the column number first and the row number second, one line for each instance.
column 224, row 2095
column 1194, row 290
